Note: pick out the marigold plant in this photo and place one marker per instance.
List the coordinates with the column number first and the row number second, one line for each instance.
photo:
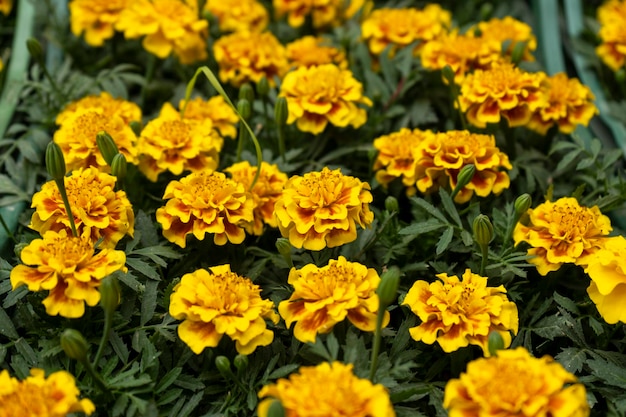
column 69, row 268
column 37, row 395
column 514, row 384
column 327, row 389
column 222, row 116
column 612, row 18
column 96, row 19
column 511, row 32
column 460, row 312
column 238, row 15
column 219, row 302
column 311, row 50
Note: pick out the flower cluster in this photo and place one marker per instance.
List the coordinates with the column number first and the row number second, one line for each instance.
column 219, row 302
column 238, row 15
column 310, row 50
column 328, row 295
column 222, row 116
column 38, row 395
column 511, row 31
column 612, row 19
column 323, row 13
column 324, row 390
column 96, row 19
column 456, row 313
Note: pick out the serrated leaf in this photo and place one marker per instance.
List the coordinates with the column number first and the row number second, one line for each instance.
column 167, row 379
column 597, row 327
column 444, row 240
column 149, row 302
column 566, row 161
column 119, row 347
column 610, row 373
column 142, row 267
column 429, row 208
column 572, row 359
column 26, row 351
column 129, row 280
column 191, row 405
column 450, row 207
column 120, row 405
column 417, row 229
column 169, row 396
column 566, row 303
column 549, row 328
column 6, row 325
column 283, row 371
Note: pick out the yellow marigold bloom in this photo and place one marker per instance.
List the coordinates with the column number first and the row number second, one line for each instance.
column 328, row 389
column 457, row 313
column 612, row 19
column 266, row 190
column 97, row 19
column 104, row 104
column 69, row 268
column 175, row 144
column 237, row 15
column 511, row 30
column 205, row 202
column 323, row 13
column 167, row 26
column 328, row 295
column 249, row 56
column 219, row 302
column 401, row 27
column 569, row 104
column 322, row 209
column 514, row 384
column 215, row 109
column 6, row 6
column 99, row 211
column 443, row 155
column 310, row 50
column 562, row 232
column 54, row 396
column 503, row 91
column 322, row 94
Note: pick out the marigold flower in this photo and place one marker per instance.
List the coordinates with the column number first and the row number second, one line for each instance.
column 97, row 19
column 569, row 103
column 612, row 18
column 322, row 209
column 104, row 104
column 175, row 144
column 266, row 190
column 324, row 390
column 322, row 94
column 457, row 313
column 219, row 302
column 99, row 211
column 514, row 384
column 238, row 15
column 322, row 12
column 328, row 295
column 168, row 26
column 6, row 6
column 215, row 109
column 509, row 30
column 503, row 91
column 69, row 268
column 310, row 50
column 562, row 232
column 249, row 56
column 54, row 396
column 205, row 202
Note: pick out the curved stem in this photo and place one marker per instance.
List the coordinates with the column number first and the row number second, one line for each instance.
column 484, row 249
column 61, row 185
column 108, row 321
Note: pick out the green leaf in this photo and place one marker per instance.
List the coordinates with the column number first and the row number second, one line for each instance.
column 572, row 359
column 565, row 163
column 429, row 208
column 610, row 373
column 169, row 396
column 143, row 268
column 444, row 240
column 119, row 347
column 283, row 371
column 191, row 405
column 149, row 302
column 417, row 229
column 566, row 303
column 549, row 328
column 333, row 345
column 6, row 325
column 129, row 280
column 450, row 207
column 26, row 351
column 167, row 379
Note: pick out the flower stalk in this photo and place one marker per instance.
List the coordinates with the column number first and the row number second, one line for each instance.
column 483, row 233
column 55, row 164
column 386, row 291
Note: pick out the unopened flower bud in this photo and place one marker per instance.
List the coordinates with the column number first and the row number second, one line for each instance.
column 483, row 230
column 107, row 146
column 388, row 286
column 518, row 52
column 448, row 74
column 284, row 248
column 241, row 362
column 276, row 409
column 34, row 49
column 109, row 294
column 55, row 162
column 391, row 204
column 244, row 109
column 466, row 174
column 522, row 204
column 262, row 87
column 136, row 127
column 246, row 93
column 119, row 166
column 74, row 344
column 223, row 366
column 495, row 342
column 281, row 111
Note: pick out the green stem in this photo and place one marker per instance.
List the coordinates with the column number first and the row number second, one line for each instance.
column 484, row 250
column 377, row 339
column 148, row 79
column 61, row 184
column 7, row 230
column 242, row 138
column 281, row 142
column 96, row 376
column 108, row 322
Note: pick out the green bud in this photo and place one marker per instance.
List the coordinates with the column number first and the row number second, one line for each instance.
column 246, row 93
column 74, row 344
column 107, row 146
column 620, row 76
column 223, row 366
column 34, row 49
column 522, row 204
column 136, row 127
column 448, row 74
column 263, row 87
column 244, row 109
column 466, row 174
column 241, row 362
column 119, row 166
column 494, row 342
column 284, row 248
column 388, row 286
column 55, row 162
column 391, row 204
column 109, row 294
column 483, row 230
column 276, row 409
column 486, row 10
column 518, row 52
column 281, row 111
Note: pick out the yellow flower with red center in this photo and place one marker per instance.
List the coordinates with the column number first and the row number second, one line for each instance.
column 323, row 94
column 246, row 56
column 323, row 13
column 238, row 15
column 403, row 26
column 168, row 26
column 219, row 302
column 310, row 50
column 205, row 202
column 562, row 232
column 6, row 6
column 569, row 104
column 612, row 19
column 99, row 211
column 266, row 190
column 41, row 396
column 97, row 19
column 509, row 30
column 104, row 104
column 443, row 155
column 515, row 384
column 68, row 268
column 322, row 209
column 607, row 270
column 175, row 144
column 328, row 295
column 215, row 109
column 457, row 313
column 503, row 91
column 328, row 389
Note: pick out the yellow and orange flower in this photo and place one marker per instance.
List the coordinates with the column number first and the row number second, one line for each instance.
column 175, row 144
column 38, row 395
column 238, row 15
column 68, row 268
column 99, row 211
column 457, row 313
column 328, row 295
column 310, row 50
column 324, row 94
column 322, row 209
column 267, row 188
column 168, row 26
column 6, row 6
column 569, row 104
column 512, row 31
column 562, row 232
column 503, row 91
column 205, row 202
column 104, row 104
column 324, row 390
column 215, row 109
column 97, row 19
column 515, row 384
column 612, row 19
column 323, row 13
column 219, row 302
column 249, row 56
